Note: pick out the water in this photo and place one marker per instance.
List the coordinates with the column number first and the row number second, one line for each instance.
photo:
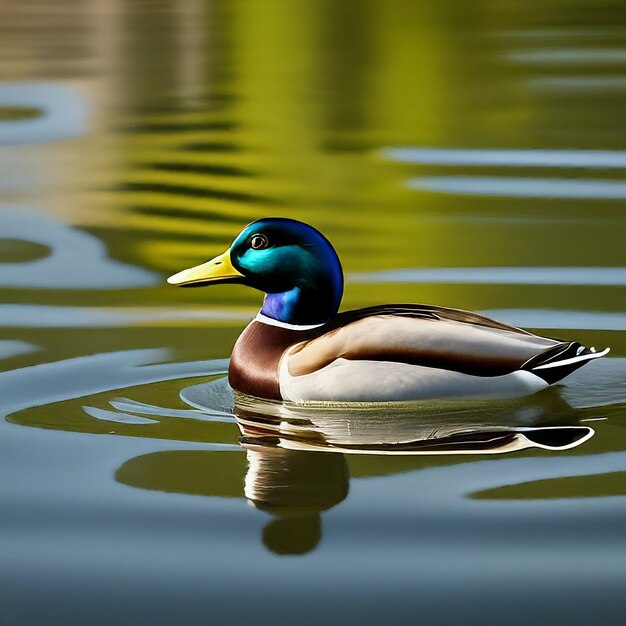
column 465, row 154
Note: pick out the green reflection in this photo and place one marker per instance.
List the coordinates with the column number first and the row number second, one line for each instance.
column 19, row 251
column 18, row 113
column 597, row 486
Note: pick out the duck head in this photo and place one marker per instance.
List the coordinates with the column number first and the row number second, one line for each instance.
column 291, row 262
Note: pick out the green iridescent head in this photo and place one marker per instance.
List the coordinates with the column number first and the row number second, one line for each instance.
column 292, row 262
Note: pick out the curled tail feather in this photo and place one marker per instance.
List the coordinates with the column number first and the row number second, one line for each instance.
column 560, row 361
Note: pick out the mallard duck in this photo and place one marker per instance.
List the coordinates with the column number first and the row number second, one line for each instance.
column 300, row 349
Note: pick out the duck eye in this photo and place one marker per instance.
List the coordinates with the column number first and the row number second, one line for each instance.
column 258, row 242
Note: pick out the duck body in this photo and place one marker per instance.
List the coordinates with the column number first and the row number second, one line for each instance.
column 398, row 353
column 300, row 349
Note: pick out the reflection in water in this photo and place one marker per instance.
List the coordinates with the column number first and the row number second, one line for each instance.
column 290, row 473
column 290, row 476
column 294, row 487
column 411, row 428
column 297, row 456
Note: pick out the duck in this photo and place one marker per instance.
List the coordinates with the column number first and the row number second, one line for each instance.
column 299, row 348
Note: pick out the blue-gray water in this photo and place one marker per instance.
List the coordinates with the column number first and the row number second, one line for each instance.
column 464, row 154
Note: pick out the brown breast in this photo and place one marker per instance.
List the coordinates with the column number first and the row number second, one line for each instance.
column 256, row 356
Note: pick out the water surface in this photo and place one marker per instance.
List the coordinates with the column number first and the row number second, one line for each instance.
column 464, row 154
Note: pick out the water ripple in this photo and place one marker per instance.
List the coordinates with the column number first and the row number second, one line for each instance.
column 63, row 113
column 82, row 376
column 9, row 348
column 606, row 159
column 574, row 320
column 59, row 270
column 522, row 187
column 117, row 416
column 604, row 276
column 570, row 56
column 47, row 316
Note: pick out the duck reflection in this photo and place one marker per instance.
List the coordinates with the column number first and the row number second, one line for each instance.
column 295, row 488
column 411, row 429
column 296, row 464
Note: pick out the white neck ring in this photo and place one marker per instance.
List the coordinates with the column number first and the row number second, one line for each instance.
column 270, row 321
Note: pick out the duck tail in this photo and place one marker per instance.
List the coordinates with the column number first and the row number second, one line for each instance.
column 560, row 361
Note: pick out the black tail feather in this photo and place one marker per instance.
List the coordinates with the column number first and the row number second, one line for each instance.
column 560, row 361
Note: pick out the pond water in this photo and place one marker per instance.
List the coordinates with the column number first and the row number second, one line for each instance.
column 464, row 154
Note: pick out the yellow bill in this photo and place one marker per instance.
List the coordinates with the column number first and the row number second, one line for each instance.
column 214, row 271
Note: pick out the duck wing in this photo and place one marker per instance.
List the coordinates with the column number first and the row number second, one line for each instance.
column 437, row 337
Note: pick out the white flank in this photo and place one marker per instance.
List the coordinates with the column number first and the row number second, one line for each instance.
column 383, row 381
